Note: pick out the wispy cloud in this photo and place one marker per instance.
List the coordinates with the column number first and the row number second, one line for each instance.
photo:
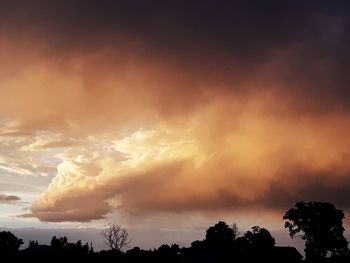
column 9, row 199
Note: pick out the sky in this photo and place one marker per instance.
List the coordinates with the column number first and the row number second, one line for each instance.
column 167, row 116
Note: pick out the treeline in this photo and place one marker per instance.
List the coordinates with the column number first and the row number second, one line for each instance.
column 221, row 244
column 319, row 224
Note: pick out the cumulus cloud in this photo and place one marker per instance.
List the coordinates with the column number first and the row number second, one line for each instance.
column 202, row 168
column 181, row 107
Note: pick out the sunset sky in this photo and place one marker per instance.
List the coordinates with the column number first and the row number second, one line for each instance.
column 166, row 116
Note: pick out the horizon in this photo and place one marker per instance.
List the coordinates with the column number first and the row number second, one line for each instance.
column 166, row 117
column 139, row 237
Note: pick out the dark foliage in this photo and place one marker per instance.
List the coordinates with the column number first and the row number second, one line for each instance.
column 220, row 234
column 257, row 239
column 321, row 226
column 221, row 244
column 9, row 244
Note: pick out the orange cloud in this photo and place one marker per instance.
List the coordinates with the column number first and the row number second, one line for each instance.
column 199, row 165
column 145, row 122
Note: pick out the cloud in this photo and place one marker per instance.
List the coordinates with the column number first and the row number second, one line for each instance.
column 329, row 185
column 9, row 199
column 180, row 107
column 168, row 59
column 166, row 170
column 20, row 154
column 16, row 187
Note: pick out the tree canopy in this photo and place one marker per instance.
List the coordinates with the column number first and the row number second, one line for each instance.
column 220, row 233
column 9, row 243
column 320, row 224
column 258, row 238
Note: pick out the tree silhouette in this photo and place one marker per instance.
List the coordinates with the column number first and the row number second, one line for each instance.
column 116, row 237
column 59, row 243
column 220, row 245
column 166, row 253
column 322, row 229
column 220, row 233
column 64, row 248
column 259, row 238
column 9, row 243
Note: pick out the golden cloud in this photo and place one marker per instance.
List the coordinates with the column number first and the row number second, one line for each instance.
column 194, row 125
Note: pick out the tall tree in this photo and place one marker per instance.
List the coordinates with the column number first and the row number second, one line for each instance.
column 320, row 224
column 116, row 237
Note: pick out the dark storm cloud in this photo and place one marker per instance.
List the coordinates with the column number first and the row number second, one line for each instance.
column 303, row 45
column 328, row 186
column 245, row 30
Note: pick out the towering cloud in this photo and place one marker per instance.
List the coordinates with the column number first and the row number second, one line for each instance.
column 168, row 107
